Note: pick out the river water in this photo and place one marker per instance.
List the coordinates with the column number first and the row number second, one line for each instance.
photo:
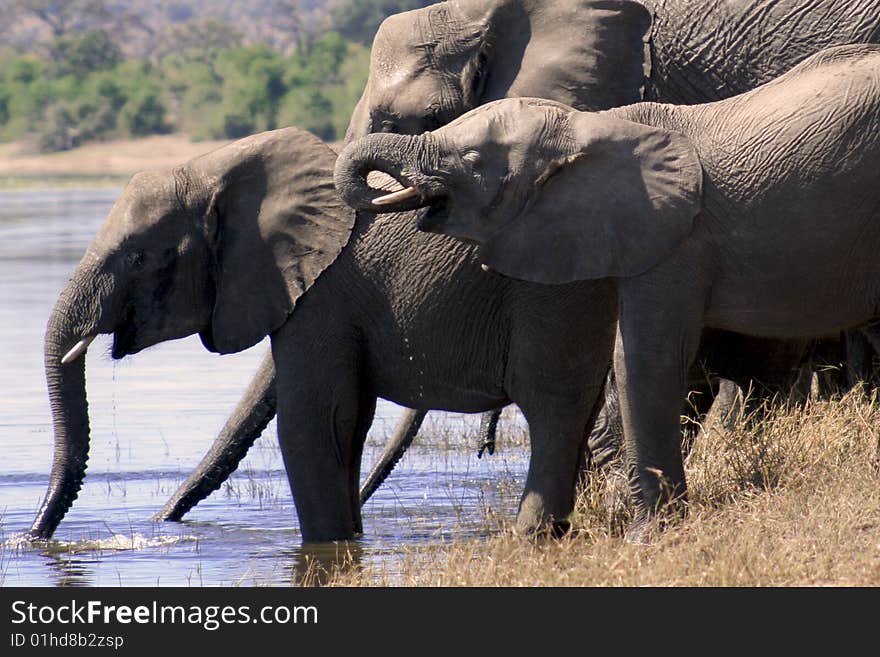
column 153, row 418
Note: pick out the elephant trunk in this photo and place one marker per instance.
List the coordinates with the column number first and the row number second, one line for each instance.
column 254, row 412
column 68, row 325
column 414, row 161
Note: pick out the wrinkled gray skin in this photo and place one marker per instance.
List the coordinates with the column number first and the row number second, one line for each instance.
column 758, row 214
column 431, row 65
column 445, row 67
column 224, row 247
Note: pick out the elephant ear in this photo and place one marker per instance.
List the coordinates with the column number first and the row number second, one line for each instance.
column 588, row 54
column 275, row 222
column 620, row 203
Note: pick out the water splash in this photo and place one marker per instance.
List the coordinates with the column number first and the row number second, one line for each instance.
column 116, row 543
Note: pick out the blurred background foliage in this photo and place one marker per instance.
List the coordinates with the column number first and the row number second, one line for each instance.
column 73, row 71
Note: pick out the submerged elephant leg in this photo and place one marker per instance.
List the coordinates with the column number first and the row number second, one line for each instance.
column 323, row 421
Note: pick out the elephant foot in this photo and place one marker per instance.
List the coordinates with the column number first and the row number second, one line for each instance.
column 534, row 520
column 641, row 531
column 555, row 529
column 616, row 497
column 646, row 528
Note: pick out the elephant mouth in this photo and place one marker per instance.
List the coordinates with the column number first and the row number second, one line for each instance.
column 124, row 337
column 436, row 216
column 427, row 191
column 413, row 197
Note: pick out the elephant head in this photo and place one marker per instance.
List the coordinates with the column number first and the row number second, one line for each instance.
column 222, row 246
column 431, row 65
column 553, row 195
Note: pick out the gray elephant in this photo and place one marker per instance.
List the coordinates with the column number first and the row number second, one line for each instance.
column 430, row 65
column 251, row 240
column 757, row 214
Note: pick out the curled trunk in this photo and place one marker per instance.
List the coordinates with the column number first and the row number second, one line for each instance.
column 406, row 158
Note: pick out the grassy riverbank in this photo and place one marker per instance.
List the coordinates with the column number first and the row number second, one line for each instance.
column 794, row 501
column 100, row 164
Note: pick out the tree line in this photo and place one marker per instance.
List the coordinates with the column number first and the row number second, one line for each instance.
column 78, row 81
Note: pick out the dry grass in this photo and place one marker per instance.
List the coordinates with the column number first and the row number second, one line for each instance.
column 110, row 162
column 793, row 500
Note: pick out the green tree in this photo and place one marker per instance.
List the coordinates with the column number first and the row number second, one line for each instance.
column 4, row 104
column 252, row 87
column 324, row 85
column 207, row 89
column 308, row 108
column 144, row 114
column 24, row 70
column 81, row 54
column 199, row 39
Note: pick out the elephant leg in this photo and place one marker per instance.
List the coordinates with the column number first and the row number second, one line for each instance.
column 702, row 396
column 251, row 416
column 829, row 360
column 605, row 441
column 406, row 431
column 657, row 341
column 859, row 351
column 558, row 434
column 323, row 419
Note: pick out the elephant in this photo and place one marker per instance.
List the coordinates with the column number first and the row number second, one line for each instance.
column 251, row 240
column 757, row 214
column 430, row 65
column 599, row 75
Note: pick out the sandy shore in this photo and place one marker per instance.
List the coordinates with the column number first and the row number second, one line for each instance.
column 111, row 161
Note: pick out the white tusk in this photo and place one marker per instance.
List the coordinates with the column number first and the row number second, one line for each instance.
column 486, row 268
column 395, row 197
column 77, row 351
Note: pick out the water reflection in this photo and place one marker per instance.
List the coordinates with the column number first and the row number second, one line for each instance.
column 315, row 564
column 69, row 571
column 153, row 418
